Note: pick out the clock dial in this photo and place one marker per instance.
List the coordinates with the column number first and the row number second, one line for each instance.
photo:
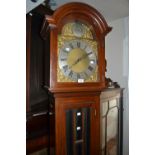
column 77, row 60
column 77, row 29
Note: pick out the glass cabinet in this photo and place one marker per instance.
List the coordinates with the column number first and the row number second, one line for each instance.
column 111, row 116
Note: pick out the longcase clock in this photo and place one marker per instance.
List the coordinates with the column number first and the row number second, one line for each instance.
column 77, row 76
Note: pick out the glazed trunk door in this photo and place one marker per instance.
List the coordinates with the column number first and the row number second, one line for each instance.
column 77, row 130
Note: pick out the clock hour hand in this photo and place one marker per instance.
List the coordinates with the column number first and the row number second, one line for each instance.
column 79, row 59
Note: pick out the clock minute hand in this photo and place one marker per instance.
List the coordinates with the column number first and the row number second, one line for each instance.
column 86, row 55
column 75, row 63
column 79, row 59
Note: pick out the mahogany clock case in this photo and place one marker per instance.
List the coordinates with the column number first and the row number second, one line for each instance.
column 76, row 105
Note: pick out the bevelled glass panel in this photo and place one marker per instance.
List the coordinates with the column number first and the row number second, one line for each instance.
column 103, row 108
column 113, row 103
column 102, row 139
column 112, row 131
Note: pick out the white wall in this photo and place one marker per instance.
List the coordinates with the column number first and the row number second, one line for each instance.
column 31, row 5
column 117, row 55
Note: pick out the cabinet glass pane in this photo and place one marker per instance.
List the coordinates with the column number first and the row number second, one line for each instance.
column 78, row 131
column 103, row 138
column 103, row 109
column 109, row 127
column 112, row 103
column 112, row 128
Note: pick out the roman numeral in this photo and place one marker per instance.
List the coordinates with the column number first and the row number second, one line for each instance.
column 89, row 53
column 85, row 74
column 85, row 47
column 78, row 44
column 90, row 68
column 70, row 73
column 64, row 50
column 65, row 68
column 78, row 76
column 71, row 45
column 63, row 59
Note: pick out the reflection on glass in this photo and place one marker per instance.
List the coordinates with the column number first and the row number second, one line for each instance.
column 104, row 109
column 109, row 127
column 78, row 131
column 102, row 133
column 113, row 103
column 112, row 122
column 40, row 152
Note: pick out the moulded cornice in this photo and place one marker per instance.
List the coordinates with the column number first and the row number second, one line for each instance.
column 73, row 9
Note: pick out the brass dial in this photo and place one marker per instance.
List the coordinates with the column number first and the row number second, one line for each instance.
column 77, row 60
